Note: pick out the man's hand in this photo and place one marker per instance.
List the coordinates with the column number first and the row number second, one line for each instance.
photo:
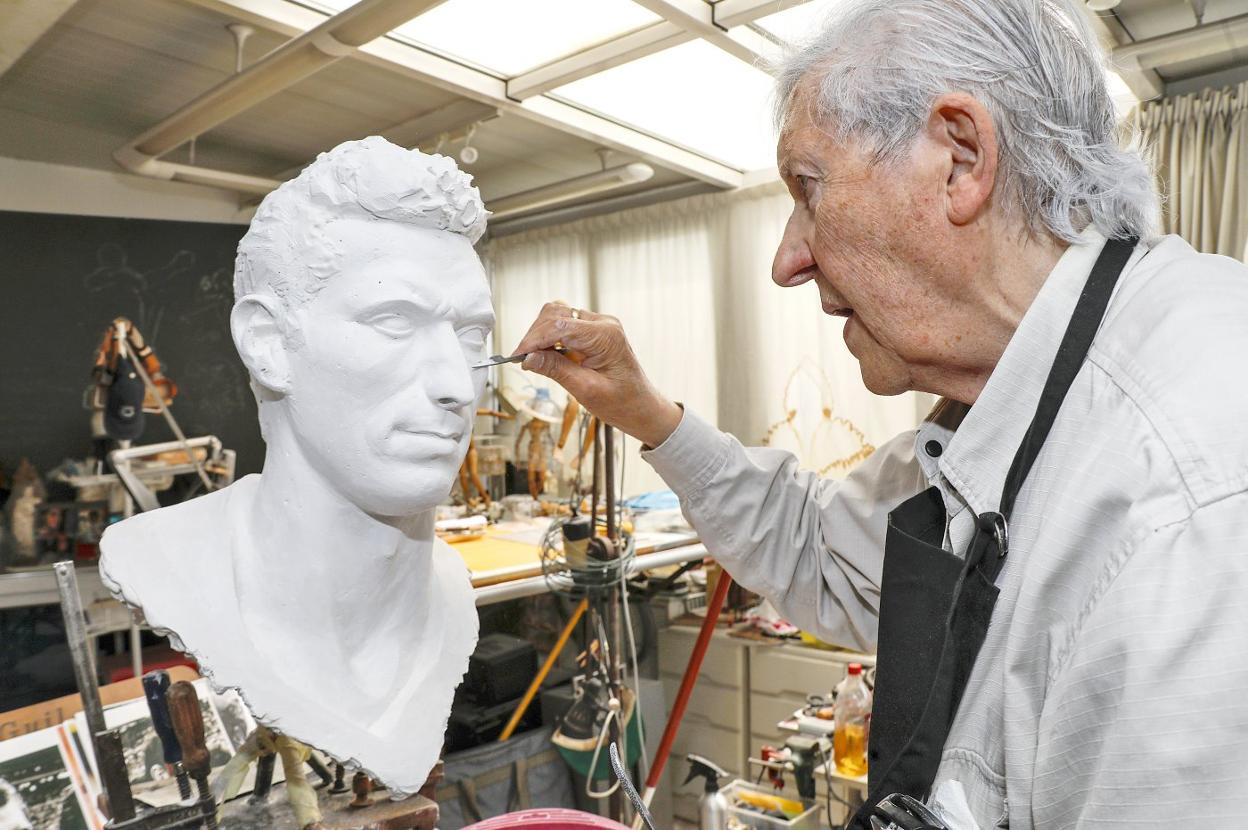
column 600, row 370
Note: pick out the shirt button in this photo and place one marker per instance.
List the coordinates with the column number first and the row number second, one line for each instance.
column 933, row 448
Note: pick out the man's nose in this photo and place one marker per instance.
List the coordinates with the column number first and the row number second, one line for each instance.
column 794, row 263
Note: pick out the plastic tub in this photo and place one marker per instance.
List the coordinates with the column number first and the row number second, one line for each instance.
column 807, row 820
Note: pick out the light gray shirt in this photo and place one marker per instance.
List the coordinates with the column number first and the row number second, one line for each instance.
column 1112, row 688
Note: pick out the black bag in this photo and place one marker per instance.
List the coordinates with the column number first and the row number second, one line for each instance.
column 486, row 781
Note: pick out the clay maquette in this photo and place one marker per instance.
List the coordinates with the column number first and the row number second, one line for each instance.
column 317, row 588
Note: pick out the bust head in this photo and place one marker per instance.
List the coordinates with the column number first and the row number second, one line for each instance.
column 360, row 305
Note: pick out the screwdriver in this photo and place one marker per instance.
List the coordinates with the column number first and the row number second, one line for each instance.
column 155, row 688
column 188, row 725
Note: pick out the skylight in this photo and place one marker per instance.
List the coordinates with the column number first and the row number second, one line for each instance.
column 694, row 95
column 520, row 35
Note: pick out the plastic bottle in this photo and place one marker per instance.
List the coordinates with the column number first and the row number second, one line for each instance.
column 853, row 707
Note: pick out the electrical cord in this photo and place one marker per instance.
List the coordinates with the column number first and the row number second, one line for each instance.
column 829, row 795
column 632, row 646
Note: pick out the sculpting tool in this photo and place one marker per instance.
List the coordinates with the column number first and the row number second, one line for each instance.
column 622, row 775
column 498, row 359
column 188, row 725
column 155, row 688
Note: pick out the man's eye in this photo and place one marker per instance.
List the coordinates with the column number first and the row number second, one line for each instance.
column 394, row 325
column 804, row 184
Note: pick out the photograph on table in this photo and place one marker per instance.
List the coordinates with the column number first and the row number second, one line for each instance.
column 37, row 788
column 150, row 779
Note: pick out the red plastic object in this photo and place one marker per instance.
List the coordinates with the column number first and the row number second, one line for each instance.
column 713, row 607
column 551, row 818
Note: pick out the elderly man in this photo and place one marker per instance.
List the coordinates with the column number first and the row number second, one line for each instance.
column 1053, row 565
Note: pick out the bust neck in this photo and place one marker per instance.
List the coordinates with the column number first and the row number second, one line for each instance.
column 314, row 572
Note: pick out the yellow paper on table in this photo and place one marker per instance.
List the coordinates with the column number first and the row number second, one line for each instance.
column 491, row 560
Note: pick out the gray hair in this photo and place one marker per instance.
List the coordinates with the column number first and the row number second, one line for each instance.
column 878, row 65
column 287, row 252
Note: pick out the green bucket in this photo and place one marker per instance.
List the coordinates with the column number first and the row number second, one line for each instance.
column 581, row 759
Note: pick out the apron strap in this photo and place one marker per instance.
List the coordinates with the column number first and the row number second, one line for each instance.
column 1080, row 331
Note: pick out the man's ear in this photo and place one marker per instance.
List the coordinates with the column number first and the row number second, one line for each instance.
column 962, row 128
column 260, row 342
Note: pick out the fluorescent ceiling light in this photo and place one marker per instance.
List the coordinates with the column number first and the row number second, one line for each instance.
column 509, row 37
column 694, row 95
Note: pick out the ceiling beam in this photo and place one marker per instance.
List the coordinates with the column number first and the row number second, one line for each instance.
column 1145, row 84
column 653, row 38
column 422, row 132
column 725, row 15
column 730, row 13
column 1221, row 38
column 451, row 119
column 387, row 53
column 698, row 18
column 23, row 22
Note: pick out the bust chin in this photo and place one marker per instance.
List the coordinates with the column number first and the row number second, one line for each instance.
column 181, row 567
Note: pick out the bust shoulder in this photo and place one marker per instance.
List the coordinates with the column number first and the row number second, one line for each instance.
column 173, row 544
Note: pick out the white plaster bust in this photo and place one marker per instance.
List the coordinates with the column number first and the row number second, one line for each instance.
column 318, row 589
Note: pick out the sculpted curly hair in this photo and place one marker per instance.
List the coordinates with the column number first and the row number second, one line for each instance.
column 289, row 251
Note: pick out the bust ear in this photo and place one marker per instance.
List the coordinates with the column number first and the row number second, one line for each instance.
column 260, row 341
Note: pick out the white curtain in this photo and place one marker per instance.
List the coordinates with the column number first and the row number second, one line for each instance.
column 1199, row 146
column 690, row 280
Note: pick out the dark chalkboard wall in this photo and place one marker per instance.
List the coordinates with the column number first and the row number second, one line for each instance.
column 64, row 278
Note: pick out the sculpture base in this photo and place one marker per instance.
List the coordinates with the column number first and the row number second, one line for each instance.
column 415, row 813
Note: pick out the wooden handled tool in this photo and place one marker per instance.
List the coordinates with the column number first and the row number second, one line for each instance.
column 156, row 689
column 188, row 725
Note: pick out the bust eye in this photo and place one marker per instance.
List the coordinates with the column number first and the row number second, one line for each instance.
column 391, row 324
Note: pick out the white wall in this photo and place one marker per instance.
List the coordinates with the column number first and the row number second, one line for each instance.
column 54, row 188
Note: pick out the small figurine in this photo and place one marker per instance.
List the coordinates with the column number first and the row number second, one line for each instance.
column 468, row 471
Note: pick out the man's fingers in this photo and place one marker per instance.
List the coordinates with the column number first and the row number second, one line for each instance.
column 560, row 369
column 590, row 337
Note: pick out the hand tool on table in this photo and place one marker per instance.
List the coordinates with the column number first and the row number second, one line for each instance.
column 117, row 801
column 188, row 725
column 155, row 689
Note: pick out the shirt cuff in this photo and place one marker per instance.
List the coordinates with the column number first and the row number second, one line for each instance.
column 691, row 455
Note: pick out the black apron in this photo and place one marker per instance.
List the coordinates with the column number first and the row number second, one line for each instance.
column 934, row 606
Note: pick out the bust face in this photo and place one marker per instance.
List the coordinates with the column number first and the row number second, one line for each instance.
column 382, row 396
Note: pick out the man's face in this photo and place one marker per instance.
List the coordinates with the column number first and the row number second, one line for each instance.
column 870, row 237
column 381, row 394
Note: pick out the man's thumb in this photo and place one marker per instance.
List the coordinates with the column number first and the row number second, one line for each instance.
column 554, row 366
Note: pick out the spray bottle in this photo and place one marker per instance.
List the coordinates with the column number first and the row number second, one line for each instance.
column 713, row 806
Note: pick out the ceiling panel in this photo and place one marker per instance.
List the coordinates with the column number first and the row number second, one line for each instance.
column 694, row 95
column 109, row 70
column 508, row 37
column 1145, row 19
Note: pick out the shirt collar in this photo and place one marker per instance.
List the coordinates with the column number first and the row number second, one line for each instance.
column 979, row 454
